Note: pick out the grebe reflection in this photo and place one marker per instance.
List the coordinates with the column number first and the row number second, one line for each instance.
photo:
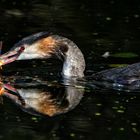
column 43, row 99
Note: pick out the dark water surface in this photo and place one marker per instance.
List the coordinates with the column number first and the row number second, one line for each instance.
column 96, row 27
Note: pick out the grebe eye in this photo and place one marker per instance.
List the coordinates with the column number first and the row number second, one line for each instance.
column 22, row 48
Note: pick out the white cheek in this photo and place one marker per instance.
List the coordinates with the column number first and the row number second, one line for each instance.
column 30, row 52
column 25, row 56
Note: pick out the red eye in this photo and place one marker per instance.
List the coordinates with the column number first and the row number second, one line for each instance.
column 22, row 48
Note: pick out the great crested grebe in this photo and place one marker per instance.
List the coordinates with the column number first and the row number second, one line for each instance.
column 43, row 46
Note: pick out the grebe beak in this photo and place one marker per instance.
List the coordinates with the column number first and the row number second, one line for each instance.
column 10, row 56
column 12, row 92
column 4, row 88
column 8, row 87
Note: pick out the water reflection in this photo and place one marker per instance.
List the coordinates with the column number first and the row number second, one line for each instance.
column 36, row 98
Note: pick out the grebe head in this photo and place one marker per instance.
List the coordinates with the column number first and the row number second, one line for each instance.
column 43, row 46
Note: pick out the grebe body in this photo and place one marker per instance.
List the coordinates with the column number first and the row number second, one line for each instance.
column 122, row 77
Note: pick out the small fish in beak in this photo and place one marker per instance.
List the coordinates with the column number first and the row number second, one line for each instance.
column 2, row 90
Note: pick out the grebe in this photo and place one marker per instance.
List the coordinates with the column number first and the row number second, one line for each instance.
column 43, row 46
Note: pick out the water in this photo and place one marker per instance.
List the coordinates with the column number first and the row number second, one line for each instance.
column 96, row 27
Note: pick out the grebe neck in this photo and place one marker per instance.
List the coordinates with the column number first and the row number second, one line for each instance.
column 74, row 62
